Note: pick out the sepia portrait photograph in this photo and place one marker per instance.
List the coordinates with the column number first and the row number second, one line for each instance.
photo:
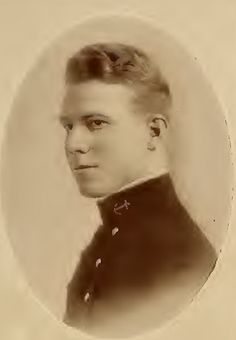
column 117, row 178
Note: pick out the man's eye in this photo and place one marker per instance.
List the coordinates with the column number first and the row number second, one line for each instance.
column 68, row 126
column 96, row 124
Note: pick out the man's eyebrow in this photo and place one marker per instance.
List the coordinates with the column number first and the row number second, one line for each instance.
column 65, row 117
column 92, row 114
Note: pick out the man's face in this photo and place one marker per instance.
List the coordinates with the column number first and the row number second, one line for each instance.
column 106, row 141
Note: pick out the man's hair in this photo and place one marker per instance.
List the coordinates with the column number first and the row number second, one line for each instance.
column 123, row 64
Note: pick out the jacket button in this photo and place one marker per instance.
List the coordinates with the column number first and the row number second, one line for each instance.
column 98, row 262
column 114, row 231
column 87, row 297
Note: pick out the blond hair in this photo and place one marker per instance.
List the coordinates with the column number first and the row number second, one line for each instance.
column 125, row 64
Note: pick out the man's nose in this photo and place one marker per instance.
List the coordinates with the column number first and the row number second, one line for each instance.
column 78, row 140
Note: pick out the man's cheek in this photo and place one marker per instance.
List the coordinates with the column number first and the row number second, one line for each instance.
column 104, row 147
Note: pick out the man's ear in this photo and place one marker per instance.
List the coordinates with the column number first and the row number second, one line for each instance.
column 157, row 125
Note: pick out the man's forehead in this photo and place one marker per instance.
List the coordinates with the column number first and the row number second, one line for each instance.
column 97, row 96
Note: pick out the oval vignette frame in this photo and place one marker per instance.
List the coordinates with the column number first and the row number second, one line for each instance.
column 31, row 127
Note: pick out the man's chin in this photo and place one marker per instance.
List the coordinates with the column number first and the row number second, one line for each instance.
column 91, row 191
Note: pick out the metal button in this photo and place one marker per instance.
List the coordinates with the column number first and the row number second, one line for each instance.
column 114, row 231
column 98, row 262
column 87, row 297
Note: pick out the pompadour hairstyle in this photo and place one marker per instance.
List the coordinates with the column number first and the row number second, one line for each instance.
column 123, row 64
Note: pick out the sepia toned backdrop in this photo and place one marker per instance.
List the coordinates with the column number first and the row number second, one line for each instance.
column 45, row 217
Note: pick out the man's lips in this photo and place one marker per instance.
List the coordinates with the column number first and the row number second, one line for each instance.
column 81, row 167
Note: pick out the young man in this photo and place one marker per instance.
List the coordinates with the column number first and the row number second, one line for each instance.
column 116, row 113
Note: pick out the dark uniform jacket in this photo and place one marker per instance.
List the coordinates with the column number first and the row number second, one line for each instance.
column 147, row 238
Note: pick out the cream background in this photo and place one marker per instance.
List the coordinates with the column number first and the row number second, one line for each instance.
column 48, row 221
column 22, row 46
